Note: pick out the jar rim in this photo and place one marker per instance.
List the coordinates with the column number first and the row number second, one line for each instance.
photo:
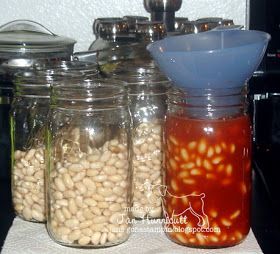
column 65, row 65
column 214, row 92
column 88, row 91
column 49, row 73
column 208, row 103
column 156, row 89
column 89, row 83
column 140, row 78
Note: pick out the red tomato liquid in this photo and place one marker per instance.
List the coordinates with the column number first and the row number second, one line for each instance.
column 208, row 180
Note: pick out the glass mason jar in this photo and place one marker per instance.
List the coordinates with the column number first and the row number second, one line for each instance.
column 113, row 43
column 110, row 33
column 145, row 32
column 147, row 104
column 88, row 176
column 28, row 120
column 207, row 181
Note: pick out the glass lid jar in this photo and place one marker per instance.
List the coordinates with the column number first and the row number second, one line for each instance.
column 29, row 38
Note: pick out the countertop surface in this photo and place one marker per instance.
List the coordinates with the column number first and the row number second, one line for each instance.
column 265, row 214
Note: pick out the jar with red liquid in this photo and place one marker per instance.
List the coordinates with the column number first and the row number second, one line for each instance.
column 207, row 181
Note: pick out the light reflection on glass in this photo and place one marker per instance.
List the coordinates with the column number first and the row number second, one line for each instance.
column 208, row 130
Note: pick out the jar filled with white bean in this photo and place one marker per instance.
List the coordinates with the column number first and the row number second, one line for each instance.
column 88, row 179
column 147, row 103
column 28, row 122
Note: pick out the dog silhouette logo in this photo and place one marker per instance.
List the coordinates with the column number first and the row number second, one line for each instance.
column 194, row 203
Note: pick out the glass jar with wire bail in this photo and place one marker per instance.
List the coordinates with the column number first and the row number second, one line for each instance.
column 207, row 181
column 147, row 103
column 88, row 177
column 28, row 121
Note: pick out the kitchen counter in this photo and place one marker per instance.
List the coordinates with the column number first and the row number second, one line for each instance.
column 265, row 223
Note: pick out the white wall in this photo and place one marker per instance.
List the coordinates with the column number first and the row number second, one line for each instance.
column 74, row 18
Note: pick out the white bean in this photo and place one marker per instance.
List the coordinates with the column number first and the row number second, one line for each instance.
column 147, row 165
column 88, row 194
column 74, row 235
column 72, row 223
column 84, row 240
column 95, row 238
column 103, row 238
column 28, row 184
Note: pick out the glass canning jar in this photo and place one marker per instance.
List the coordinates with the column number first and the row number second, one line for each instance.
column 114, row 42
column 28, row 119
column 147, row 104
column 88, row 176
column 111, row 33
column 207, row 180
column 28, row 122
column 145, row 32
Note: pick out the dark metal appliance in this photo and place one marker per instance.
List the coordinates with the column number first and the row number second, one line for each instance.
column 265, row 97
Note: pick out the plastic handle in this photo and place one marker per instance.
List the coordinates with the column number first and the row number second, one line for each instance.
column 25, row 25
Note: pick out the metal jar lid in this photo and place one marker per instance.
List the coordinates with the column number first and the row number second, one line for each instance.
column 28, row 37
column 188, row 27
column 227, row 22
column 151, row 30
column 113, row 28
column 133, row 20
column 179, row 21
column 98, row 21
column 206, row 24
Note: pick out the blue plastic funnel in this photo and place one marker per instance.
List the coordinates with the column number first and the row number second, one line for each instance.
column 214, row 59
